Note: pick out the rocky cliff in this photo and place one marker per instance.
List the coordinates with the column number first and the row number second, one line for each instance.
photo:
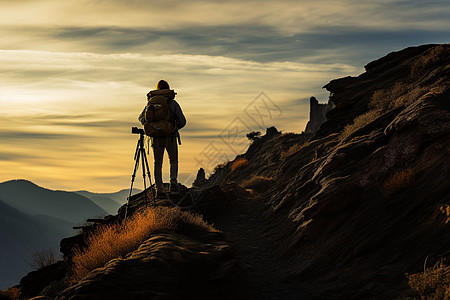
column 366, row 199
column 342, row 213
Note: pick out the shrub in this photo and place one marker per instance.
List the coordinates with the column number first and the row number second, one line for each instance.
column 258, row 183
column 359, row 122
column 433, row 283
column 398, row 182
column 113, row 241
column 44, row 258
column 254, row 135
column 239, row 163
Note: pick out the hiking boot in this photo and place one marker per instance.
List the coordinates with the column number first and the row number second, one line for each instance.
column 174, row 188
column 160, row 193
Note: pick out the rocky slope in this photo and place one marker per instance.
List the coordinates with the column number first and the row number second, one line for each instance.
column 360, row 205
column 340, row 214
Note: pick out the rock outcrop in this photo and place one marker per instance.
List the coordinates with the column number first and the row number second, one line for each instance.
column 317, row 114
column 190, row 262
column 200, row 179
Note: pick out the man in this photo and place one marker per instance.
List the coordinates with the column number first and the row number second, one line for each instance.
column 164, row 139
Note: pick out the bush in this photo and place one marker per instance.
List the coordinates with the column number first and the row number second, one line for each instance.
column 239, row 163
column 254, row 135
column 433, row 283
column 113, row 241
column 258, row 183
column 398, row 182
column 44, row 258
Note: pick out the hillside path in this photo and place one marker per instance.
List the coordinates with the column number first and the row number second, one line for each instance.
column 262, row 272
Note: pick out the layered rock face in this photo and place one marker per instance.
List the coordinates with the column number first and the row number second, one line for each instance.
column 365, row 200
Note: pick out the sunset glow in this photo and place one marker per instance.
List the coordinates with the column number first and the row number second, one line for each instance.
column 75, row 75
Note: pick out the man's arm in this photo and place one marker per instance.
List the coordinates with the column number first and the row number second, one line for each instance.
column 178, row 114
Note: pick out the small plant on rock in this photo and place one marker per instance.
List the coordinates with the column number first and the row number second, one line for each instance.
column 43, row 258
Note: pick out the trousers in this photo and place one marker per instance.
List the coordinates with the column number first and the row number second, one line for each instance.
column 160, row 145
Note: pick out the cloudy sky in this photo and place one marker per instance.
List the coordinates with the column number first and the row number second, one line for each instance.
column 74, row 74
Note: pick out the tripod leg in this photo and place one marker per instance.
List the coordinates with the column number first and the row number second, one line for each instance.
column 133, row 176
column 143, row 167
column 148, row 174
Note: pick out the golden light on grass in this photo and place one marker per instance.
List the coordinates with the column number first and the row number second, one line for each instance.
column 398, row 182
column 433, row 283
column 239, row 163
column 11, row 293
column 118, row 240
column 258, row 183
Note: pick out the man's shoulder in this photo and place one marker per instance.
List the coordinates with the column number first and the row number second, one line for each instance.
column 174, row 104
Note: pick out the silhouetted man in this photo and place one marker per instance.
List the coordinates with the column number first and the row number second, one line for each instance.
column 162, row 117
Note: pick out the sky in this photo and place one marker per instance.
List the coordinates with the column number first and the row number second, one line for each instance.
column 75, row 74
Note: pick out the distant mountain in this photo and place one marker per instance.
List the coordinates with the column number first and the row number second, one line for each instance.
column 21, row 235
column 110, row 202
column 34, row 200
column 121, row 196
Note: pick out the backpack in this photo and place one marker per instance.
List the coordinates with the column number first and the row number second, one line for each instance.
column 158, row 117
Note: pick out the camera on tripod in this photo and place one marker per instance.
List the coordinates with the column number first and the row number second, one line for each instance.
column 140, row 157
column 136, row 130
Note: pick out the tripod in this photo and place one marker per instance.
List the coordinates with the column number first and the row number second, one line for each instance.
column 139, row 155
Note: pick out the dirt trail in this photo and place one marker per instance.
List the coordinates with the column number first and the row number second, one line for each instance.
column 262, row 272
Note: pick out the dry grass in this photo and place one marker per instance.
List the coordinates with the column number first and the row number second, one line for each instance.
column 434, row 55
column 44, row 258
column 115, row 240
column 293, row 149
column 359, row 122
column 239, row 163
column 432, row 284
column 11, row 293
column 401, row 94
column 398, row 182
column 383, row 99
column 258, row 183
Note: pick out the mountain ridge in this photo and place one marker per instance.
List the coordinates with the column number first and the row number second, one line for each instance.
column 33, row 199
